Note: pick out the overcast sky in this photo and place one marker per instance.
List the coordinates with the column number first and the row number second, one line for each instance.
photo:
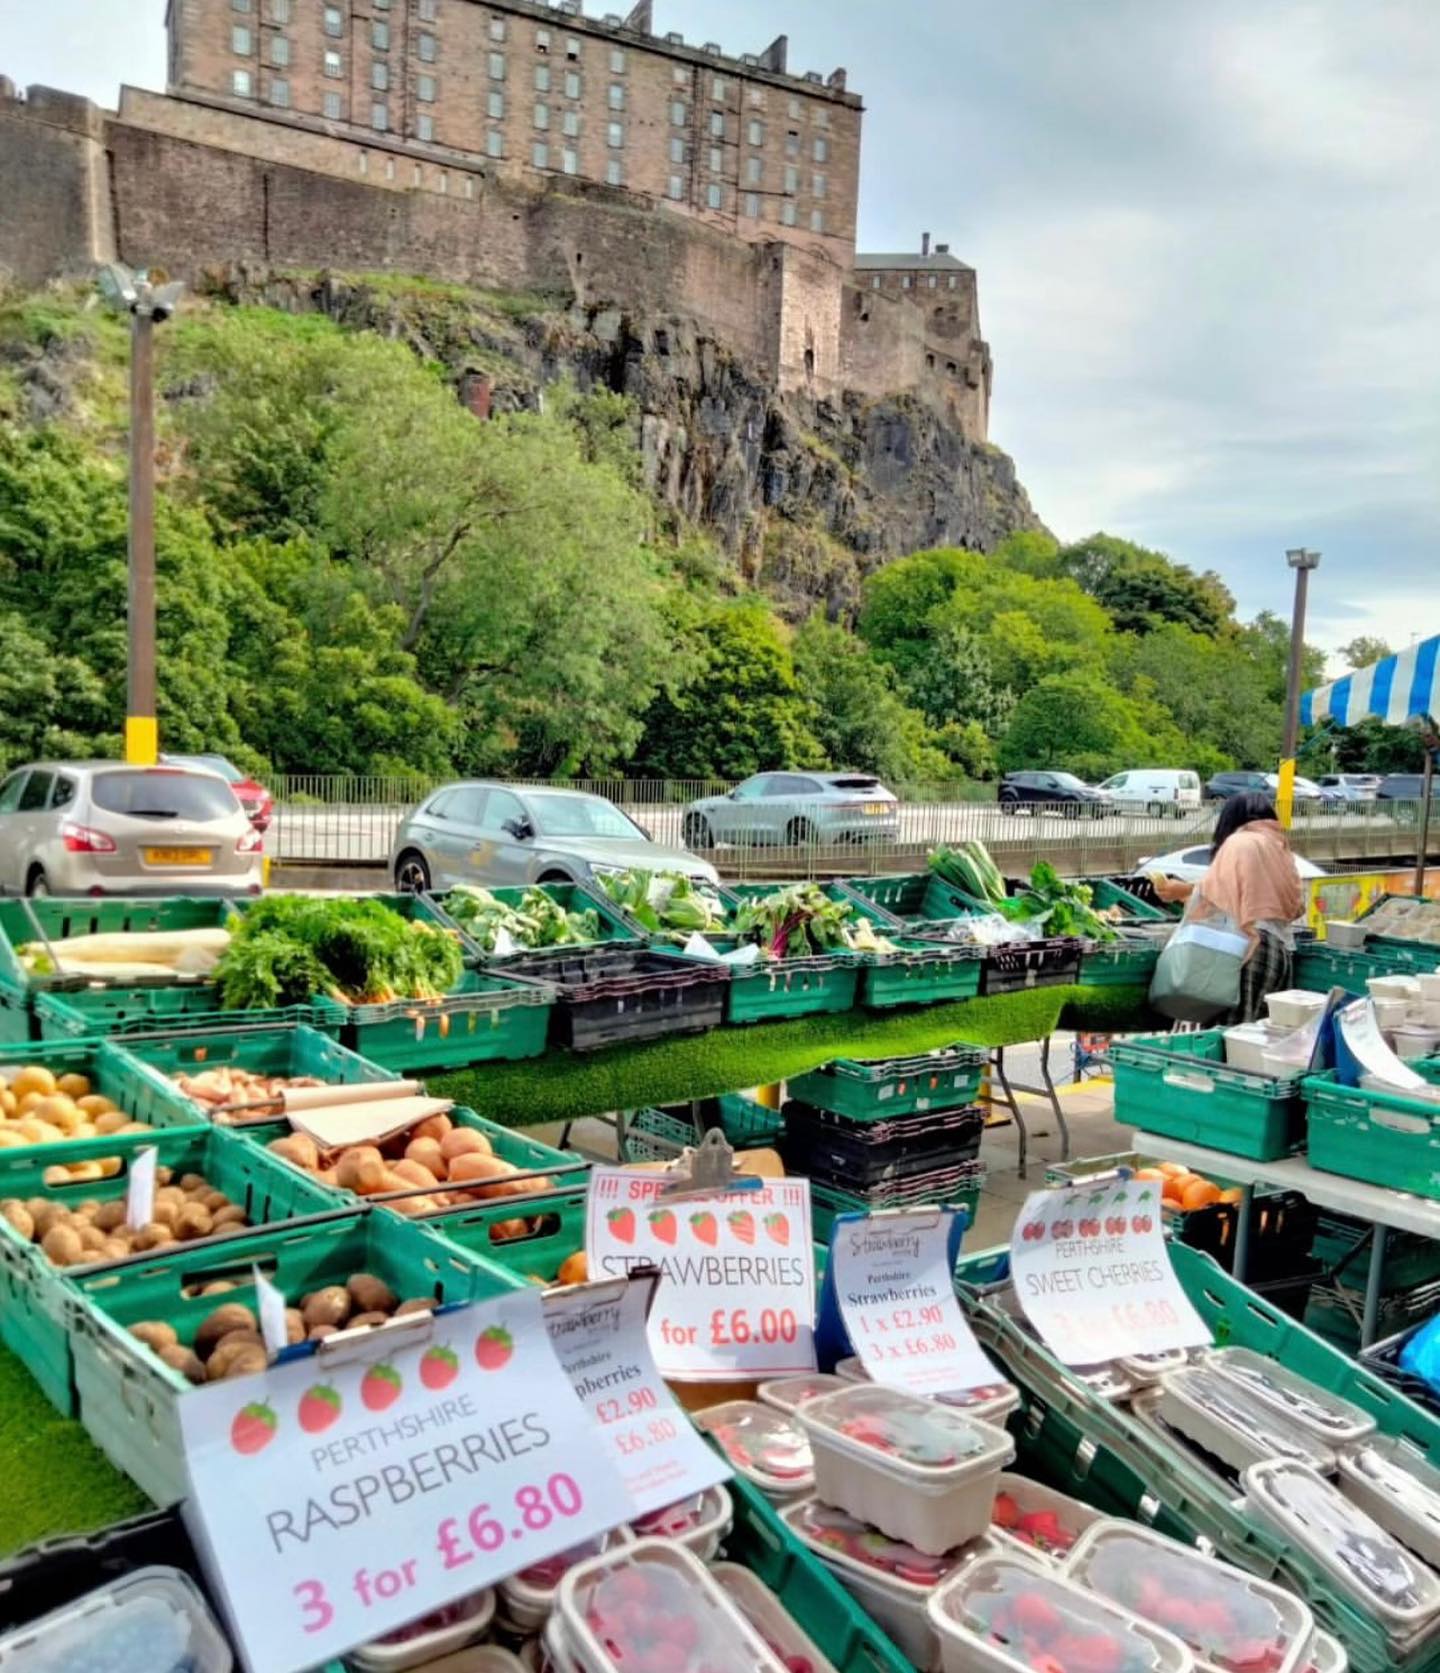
column 1208, row 240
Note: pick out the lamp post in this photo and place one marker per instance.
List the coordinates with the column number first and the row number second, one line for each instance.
column 148, row 305
column 1429, row 732
column 1302, row 562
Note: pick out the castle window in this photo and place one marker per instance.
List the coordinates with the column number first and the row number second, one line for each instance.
column 428, row 48
column 380, row 77
column 875, row 282
column 717, row 159
column 379, row 117
column 820, row 116
column 280, row 11
column 756, row 97
column 570, row 161
column 818, row 186
column 792, row 143
column 932, row 281
column 950, row 282
column 717, row 123
column 469, row 187
column 425, row 89
column 951, row 367
column 239, row 5
column 754, row 170
column 676, row 187
column 752, row 205
column 822, row 150
column 794, row 108
column 331, row 107
column 494, row 143
column 792, row 178
column 904, row 281
column 755, row 133
column 334, row 68
column 570, row 123
column 240, row 83
column 542, row 78
column 379, row 34
column 719, row 89
column 426, row 11
column 677, row 150
column 495, row 104
column 680, row 75
column 930, row 361
column 497, row 28
column 615, row 97
column 334, row 23
column 572, row 84
column 542, row 40
column 542, row 116
column 279, row 51
column 425, row 130
column 679, row 113
column 617, row 60
column 240, row 39
column 817, row 220
column 787, row 214
column 540, row 154
column 572, row 49
column 615, row 135
column 497, row 66
column 382, row 5
column 614, row 172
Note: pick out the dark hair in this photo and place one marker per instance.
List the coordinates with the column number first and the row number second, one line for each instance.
column 1239, row 811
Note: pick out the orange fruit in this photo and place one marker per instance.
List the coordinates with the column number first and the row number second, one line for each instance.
column 1199, row 1193
column 1148, row 1173
column 1170, row 1169
column 1234, row 1194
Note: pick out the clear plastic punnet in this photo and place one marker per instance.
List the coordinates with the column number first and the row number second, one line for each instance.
column 1332, row 1421
column 527, row 1598
column 1230, row 1621
column 419, row 1643
column 1399, row 1488
column 766, row 1446
column 1225, row 1418
column 759, row 1605
column 639, row 1602
column 1327, row 1655
column 992, row 1402
column 1006, row 1615
column 699, row 1523
column 1144, row 1369
column 1038, row 1521
column 153, row 1620
column 1365, row 1562
column 786, row 1393
column 918, row 1471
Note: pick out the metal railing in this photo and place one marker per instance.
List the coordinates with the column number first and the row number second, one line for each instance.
column 330, row 820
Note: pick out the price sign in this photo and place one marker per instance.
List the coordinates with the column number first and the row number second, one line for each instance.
column 737, row 1292
column 599, row 1336
column 338, row 1498
column 896, row 1292
column 1093, row 1277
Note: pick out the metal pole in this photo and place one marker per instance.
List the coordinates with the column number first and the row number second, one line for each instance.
column 1302, row 562
column 1427, row 784
column 141, row 738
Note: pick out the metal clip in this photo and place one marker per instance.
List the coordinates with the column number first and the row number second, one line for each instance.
column 706, row 1170
column 350, row 1347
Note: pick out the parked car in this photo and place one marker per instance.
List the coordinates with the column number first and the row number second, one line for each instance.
column 257, row 801
column 1154, row 790
column 1352, row 787
column 1222, row 786
column 1403, row 787
column 105, row 828
column 1189, row 865
column 794, row 809
column 1064, row 791
column 495, row 834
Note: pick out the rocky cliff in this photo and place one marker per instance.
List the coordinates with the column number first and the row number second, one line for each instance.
column 806, row 496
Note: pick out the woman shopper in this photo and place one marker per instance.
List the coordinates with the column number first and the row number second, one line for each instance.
column 1251, row 880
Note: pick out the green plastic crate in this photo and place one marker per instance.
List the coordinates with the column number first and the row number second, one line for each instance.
column 1320, row 968
column 1105, row 893
column 1179, row 1086
column 264, row 1049
column 1118, row 964
column 921, row 973
column 57, row 917
column 1383, row 1138
column 887, row 1087
column 809, row 1594
column 128, row 1396
column 569, row 897
column 796, row 987
column 556, row 1229
column 485, row 1019
column 87, row 1013
column 660, row 1135
column 33, row 1316
column 828, row 1204
column 914, row 898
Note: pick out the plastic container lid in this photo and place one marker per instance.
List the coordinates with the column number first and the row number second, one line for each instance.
column 1040, row 1521
column 1145, row 1411
column 759, row 1605
column 991, row 1401
column 153, row 1620
column 1226, row 1418
column 850, row 1543
column 1003, row 1612
column 1143, row 1369
column 915, row 1439
column 528, row 1596
column 786, row 1393
column 699, row 1522
column 418, row 1643
column 1365, row 1561
column 1332, row 1421
column 1327, row 1655
column 766, row 1446
column 1400, row 1489
column 613, row 1610
column 1232, row 1622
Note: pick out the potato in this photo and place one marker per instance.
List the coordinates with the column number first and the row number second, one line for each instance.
column 7, row 1102
column 213, row 1199
column 362, row 1169
column 371, row 1294
column 38, row 1131
column 48, row 1214
column 171, row 1194
column 298, row 1149
column 84, row 1172
column 165, row 1214
column 363, row 1321
column 319, row 1332
column 246, row 1361
column 33, row 1078
column 413, row 1173
column 464, row 1141
column 117, row 1248
column 233, row 1315
column 218, row 1286
column 332, row 1305
column 432, row 1127
column 164, row 1176
column 416, row 1304
column 92, row 1239
column 154, row 1234
column 134, row 1127
column 506, row 1231
column 230, row 1215
column 192, row 1221
column 574, row 1269
column 18, row 1216
column 294, row 1325
column 192, row 1182
column 73, row 1086
column 228, row 1347
column 428, row 1154
column 472, row 1165
column 109, row 1121
column 412, row 1206
column 110, row 1215
column 58, row 1110
column 9, row 1138
column 94, row 1104
column 327, row 1176
column 62, row 1245
column 184, row 1360
column 109, row 1166
column 155, row 1333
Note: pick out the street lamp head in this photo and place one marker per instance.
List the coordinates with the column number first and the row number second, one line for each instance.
column 1299, row 558
column 117, row 286
column 165, row 300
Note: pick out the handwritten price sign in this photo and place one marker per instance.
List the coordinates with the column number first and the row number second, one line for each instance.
column 600, row 1338
column 897, row 1299
column 737, row 1291
column 336, row 1502
column 1093, row 1276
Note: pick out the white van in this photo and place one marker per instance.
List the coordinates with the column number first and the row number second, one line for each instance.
column 1154, row 790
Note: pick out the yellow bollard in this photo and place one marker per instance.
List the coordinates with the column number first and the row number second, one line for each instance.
column 1285, row 793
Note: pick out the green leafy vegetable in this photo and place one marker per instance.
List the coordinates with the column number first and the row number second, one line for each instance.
column 666, row 902
column 538, row 921
column 1050, row 906
column 801, row 920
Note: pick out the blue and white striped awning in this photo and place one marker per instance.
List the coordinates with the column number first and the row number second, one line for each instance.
column 1394, row 690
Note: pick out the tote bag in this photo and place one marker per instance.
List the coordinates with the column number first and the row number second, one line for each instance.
column 1197, row 978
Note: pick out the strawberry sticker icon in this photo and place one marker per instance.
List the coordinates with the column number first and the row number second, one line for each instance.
column 319, row 1407
column 381, row 1387
column 742, row 1225
column 622, row 1224
column 439, row 1367
column 493, row 1348
column 704, row 1227
column 663, row 1224
column 253, row 1428
column 777, row 1229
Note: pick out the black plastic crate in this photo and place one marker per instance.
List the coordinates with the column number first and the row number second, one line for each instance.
column 611, row 995
column 1383, row 1358
column 860, row 1156
column 1031, row 964
column 1291, row 1295
column 1282, row 1235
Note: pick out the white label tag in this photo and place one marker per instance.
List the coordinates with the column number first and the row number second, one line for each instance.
column 270, row 1304
column 140, row 1191
column 504, row 943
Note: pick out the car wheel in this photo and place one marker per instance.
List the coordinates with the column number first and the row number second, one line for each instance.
column 799, row 833
column 695, row 829
column 1155, row 810
column 1007, row 807
column 37, row 883
column 1097, row 812
column 412, row 875
column 555, row 877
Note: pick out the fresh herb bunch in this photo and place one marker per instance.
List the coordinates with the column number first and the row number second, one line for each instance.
column 666, row 902
column 538, row 921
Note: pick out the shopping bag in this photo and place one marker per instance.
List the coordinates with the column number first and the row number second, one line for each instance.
column 1197, row 977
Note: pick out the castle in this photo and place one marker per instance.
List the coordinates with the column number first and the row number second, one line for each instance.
column 510, row 144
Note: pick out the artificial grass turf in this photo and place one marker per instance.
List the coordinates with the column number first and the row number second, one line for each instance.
column 562, row 1086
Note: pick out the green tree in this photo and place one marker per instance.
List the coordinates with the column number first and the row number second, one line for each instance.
column 1363, row 651
column 1211, row 687
column 1266, row 641
column 1142, row 589
column 1077, row 723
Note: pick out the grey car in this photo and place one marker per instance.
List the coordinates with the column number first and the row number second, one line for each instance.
column 107, row 828
column 795, row 809
column 497, row 834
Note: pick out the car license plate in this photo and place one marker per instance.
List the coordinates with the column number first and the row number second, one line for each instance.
column 877, row 807
column 179, row 856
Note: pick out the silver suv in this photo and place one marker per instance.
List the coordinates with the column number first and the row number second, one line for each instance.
column 105, row 828
column 791, row 810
